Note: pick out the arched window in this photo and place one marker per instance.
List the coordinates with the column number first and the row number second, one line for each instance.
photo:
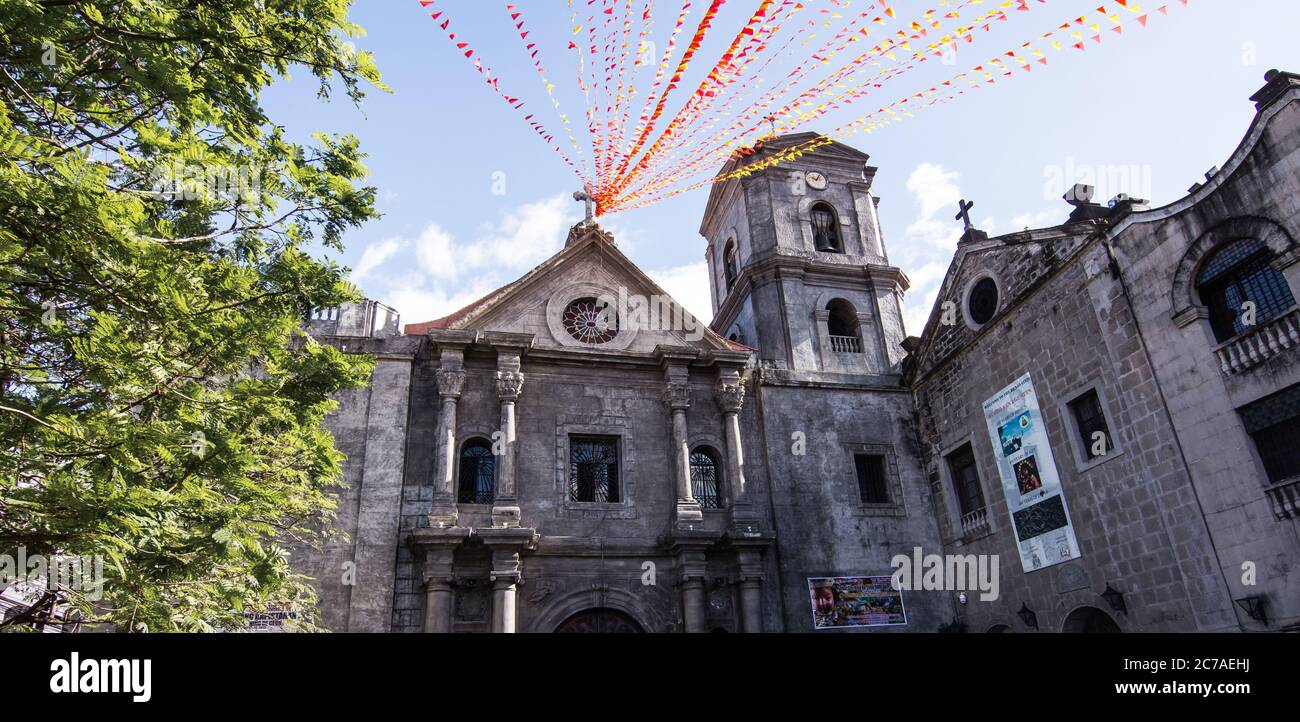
column 729, row 264
column 478, row 469
column 705, row 485
column 842, row 326
column 825, row 228
column 1235, row 274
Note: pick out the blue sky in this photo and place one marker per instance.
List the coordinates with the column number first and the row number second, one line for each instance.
column 1146, row 112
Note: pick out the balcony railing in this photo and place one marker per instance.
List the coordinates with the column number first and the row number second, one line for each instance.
column 1285, row 499
column 1260, row 344
column 975, row 523
column 846, row 344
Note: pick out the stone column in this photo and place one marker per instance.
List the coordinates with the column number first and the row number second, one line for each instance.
column 678, row 395
column 506, row 544
column 504, row 601
column 693, row 605
column 750, row 561
column 505, row 506
column 688, row 546
column 692, row 581
column 450, row 382
column 437, row 604
column 730, row 395
column 437, row 548
column 751, row 605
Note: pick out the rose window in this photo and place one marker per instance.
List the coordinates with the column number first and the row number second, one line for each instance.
column 590, row 321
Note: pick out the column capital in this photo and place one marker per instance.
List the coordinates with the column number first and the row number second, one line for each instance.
column 730, row 396
column 509, row 385
column 678, row 395
column 500, row 580
column 450, row 383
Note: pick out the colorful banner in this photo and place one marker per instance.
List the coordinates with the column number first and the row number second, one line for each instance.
column 842, row 602
column 1039, row 515
column 675, row 145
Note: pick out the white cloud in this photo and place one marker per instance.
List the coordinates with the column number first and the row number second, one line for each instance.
column 935, row 188
column 936, row 192
column 527, row 235
column 932, row 239
column 417, row 300
column 520, row 239
column 689, row 286
column 920, row 298
column 438, row 254
column 453, row 273
column 374, row 256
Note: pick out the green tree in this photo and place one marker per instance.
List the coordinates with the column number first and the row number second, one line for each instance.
column 159, row 404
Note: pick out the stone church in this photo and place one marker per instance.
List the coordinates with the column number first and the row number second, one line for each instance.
column 575, row 452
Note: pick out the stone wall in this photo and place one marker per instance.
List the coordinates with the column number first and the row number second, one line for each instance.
column 1255, row 195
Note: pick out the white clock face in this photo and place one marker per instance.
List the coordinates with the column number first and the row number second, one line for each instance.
column 816, row 180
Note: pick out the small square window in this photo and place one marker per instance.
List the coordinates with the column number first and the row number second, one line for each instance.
column 1274, row 425
column 872, row 485
column 966, row 480
column 1090, row 421
column 593, row 469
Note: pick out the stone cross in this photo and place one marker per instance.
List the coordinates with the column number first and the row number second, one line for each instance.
column 963, row 215
column 583, row 195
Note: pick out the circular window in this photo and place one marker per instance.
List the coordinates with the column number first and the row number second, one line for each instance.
column 982, row 302
column 590, row 321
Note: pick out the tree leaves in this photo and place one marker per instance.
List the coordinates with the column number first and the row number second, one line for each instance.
column 159, row 407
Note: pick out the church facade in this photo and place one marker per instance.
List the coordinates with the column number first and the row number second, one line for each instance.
column 575, row 452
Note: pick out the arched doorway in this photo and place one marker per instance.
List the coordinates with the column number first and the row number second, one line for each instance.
column 601, row 620
column 1089, row 620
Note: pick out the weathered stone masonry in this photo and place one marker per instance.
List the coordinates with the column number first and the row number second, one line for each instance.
column 807, row 365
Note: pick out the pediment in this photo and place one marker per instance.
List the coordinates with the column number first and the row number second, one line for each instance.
column 643, row 315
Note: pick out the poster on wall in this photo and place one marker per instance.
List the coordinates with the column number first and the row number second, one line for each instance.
column 840, row 602
column 1044, row 534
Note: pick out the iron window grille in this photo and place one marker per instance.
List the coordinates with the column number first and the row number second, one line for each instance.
column 1237, row 273
column 704, row 479
column 477, row 473
column 872, row 485
column 593, row 469
column 1274, row 425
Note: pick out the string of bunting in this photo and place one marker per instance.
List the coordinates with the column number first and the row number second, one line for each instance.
column 841, row 56
column 720, row 146
column 493, row 82
column 979, row 76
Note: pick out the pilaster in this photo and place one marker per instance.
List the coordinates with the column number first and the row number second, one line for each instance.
column 507, row 545
column 436, row 548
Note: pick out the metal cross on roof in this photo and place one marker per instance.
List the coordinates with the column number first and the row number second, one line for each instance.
column 584, row 196
column 963, row 215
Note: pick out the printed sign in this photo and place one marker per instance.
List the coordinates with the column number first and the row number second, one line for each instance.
column 839, row 602
column 1044, row 534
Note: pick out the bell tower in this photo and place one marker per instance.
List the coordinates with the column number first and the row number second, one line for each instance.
column 798, row 266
